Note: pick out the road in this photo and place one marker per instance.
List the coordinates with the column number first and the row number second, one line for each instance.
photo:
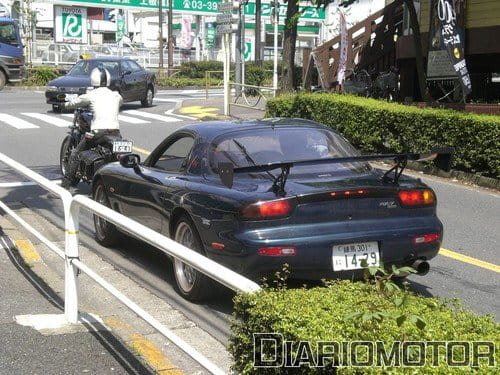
column 470, row 215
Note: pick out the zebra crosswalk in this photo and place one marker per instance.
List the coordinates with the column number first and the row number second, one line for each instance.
column 36, row 120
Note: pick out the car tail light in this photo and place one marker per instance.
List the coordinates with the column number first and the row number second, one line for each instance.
column 268, row 209
column 415, row 198
column 278, row 251
column 426, row 238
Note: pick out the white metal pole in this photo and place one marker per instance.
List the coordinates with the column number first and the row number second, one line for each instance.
column 243, row 44
column 275, row 68
column 71, row 213
column 227, row 67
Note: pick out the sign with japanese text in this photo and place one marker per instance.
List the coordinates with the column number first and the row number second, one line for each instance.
column 309, row 13
column 446, row 59
column 70, row 25
column 180, row 6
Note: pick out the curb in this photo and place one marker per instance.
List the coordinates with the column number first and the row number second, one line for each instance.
column 24, row 88
column 464, row 177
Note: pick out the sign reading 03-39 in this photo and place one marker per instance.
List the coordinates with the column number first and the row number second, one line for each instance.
column 70, row 24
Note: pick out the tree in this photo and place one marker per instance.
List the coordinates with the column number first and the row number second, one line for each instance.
column 289, row 81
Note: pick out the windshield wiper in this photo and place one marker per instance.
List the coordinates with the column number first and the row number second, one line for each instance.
column 250, row 159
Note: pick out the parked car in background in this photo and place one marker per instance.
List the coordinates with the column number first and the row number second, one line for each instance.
column 66, row 53
column 131, row 80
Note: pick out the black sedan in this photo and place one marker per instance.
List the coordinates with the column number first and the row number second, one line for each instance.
column 255, row 195
column 132, row 81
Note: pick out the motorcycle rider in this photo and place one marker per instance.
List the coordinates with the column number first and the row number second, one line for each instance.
column 105, row 106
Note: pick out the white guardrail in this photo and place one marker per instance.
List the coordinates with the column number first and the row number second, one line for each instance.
column 70, row 255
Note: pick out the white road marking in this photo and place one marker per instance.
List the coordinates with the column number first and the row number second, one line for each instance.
column 132, row 120
column 169, row 112
column 16, row 122
column 49, row 119
column 167, row 100
column 153, row 116
column 69, row 115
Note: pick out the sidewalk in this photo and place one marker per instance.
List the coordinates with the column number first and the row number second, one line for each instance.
column 213, row 109
column 76, row 349
column 119, row 342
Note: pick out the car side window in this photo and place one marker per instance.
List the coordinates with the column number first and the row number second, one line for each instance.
column 174, row 158
column 134, row 67
column 124, row 66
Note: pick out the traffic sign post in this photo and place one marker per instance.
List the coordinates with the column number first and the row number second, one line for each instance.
column 225, row 26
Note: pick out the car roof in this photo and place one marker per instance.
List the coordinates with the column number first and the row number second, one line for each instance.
column 109, row 58
column 212, row 129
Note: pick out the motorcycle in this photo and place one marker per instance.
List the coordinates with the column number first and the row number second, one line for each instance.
column 108, row 151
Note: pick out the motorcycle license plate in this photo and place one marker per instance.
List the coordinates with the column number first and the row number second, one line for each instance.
column 122, row 146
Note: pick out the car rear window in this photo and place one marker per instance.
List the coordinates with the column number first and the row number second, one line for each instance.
column 83, row 68
column 248, row 148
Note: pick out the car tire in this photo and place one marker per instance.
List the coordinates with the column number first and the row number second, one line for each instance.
column 3, row 80
column 148, row 99
column 56, row 108
column 67, row 148
column 106, row 233
column 191, row 283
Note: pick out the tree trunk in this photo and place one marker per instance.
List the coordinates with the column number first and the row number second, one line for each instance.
column 289, row 42
column 419, row 58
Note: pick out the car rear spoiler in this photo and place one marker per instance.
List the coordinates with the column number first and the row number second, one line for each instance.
column 442, row 157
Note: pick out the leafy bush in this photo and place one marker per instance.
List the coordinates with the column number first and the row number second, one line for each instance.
column 198, row 69
column 378, row 126
column 348, row 311
column 179, row 81
column 40, row 76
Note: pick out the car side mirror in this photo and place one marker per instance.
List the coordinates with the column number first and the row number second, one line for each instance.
column 130, row 161
column 126, row 73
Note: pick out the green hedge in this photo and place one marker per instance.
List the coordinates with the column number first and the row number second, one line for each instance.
column 349, row 311
column 179, row 81
column 377, row 126
column 40, row 76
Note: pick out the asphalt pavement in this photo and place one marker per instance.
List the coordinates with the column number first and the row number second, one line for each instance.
column 468, row 270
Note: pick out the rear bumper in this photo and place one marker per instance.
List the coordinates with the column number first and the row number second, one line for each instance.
column 314, row 243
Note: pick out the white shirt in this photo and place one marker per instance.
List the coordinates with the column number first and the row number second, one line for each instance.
column 104, row 104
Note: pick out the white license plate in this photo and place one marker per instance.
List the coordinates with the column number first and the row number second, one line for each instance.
column 350, row 256
column 69, row 97
column 122, row 146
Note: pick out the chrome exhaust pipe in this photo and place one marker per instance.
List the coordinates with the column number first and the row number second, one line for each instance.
column 421, row 266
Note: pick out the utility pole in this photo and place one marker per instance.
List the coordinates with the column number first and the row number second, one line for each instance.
column 160, row 46
column 258, row 28
column 170, row 39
